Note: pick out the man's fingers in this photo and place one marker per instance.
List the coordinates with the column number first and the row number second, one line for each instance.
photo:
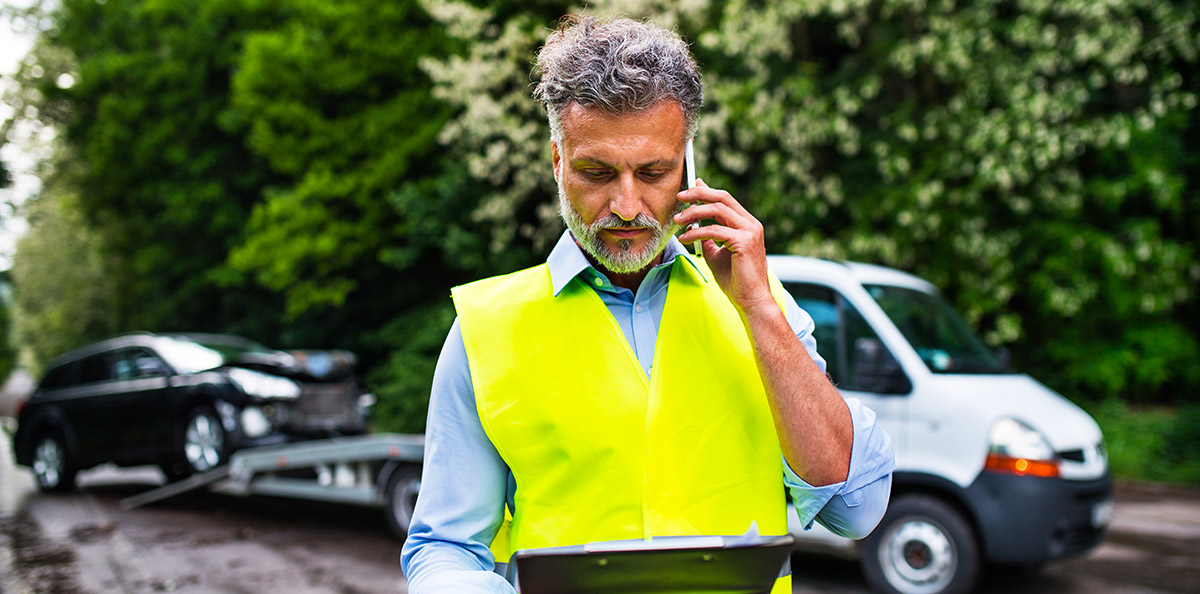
column 705, row 194
column 732, row 239
column 715, row 211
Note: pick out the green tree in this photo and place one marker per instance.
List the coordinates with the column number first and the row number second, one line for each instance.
column 1024, row 155
column 64, row 292
column 355, row 237
column 166, row 178
column 334, row 100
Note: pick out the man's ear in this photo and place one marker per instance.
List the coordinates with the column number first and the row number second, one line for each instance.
column 556, row 160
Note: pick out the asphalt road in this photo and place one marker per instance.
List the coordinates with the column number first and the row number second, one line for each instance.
column 83, row 542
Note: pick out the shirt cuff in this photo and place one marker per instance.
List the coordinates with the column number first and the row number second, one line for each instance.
column 871, row 458
column 807, row 499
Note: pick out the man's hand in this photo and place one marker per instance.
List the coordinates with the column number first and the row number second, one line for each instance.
column 740, row 265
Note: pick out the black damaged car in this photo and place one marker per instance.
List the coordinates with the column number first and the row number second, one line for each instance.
column 183, row 402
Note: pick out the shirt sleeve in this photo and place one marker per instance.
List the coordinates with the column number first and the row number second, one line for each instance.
column 453, row 526
column 853, row 507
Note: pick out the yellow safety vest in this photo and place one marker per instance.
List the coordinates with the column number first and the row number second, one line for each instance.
column 600, row 452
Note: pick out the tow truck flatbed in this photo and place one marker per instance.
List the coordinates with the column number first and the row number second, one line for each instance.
column 381, row 470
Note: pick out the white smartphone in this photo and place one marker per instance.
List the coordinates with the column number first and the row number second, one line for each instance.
column 689, row 164
column 689, row 177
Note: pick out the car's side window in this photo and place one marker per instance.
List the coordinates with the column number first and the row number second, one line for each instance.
column 137, row 363
column 123, row 367
column 839, row 331
column 95, row 369
column 55, row 378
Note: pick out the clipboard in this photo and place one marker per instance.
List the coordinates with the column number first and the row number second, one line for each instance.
column 748, row 564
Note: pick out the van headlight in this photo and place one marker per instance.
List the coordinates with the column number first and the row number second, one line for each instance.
column 264, row 385
column 1016, row 448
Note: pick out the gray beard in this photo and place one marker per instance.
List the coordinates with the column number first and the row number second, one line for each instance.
column 623, row 260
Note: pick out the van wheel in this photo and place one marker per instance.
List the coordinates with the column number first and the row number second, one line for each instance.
column 203, row 443
column 922, row 546
column 401, row 498
column 52, row 466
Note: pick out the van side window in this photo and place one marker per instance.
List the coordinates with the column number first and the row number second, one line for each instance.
column 821, row 305
column 840, row 333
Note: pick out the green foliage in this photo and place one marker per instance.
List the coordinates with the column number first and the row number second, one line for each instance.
column 165, row 178
column 1182, row 444
column 64, row 292
column 8, row 354
column 333, row 100
column 1151, row 361
column 1151, row 444
column 403, row 380
column 1020, row 155
column 499, row 134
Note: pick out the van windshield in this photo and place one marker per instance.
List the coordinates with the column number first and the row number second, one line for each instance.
column 940, row 336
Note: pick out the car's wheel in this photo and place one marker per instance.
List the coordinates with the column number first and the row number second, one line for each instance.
column 922, row 546
column 204, row 443
column 401, row 498
column 52, row 466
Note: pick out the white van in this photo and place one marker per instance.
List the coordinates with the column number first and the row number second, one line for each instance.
column 991, row 466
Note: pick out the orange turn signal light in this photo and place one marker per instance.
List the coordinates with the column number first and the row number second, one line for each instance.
column 1021, row 466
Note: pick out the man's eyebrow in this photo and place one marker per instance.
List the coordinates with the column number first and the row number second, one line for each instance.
column 586, row 161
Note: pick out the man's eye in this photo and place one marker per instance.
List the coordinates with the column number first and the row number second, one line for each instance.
column 653, row 175
column 596, row 174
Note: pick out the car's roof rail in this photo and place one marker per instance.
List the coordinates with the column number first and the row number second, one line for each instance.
column 96, row 346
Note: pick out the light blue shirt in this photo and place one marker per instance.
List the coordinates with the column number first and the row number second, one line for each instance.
column 465, row 483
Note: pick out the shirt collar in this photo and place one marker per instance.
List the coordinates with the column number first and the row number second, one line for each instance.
column 566, row 261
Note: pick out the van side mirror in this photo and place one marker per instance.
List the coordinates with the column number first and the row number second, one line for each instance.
column 876, row 370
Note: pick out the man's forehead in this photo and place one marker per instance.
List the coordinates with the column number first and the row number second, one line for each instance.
column 662, row 120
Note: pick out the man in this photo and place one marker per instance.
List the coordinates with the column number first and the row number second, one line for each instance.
column 625, row 389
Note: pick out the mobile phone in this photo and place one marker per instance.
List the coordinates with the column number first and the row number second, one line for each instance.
column 689, row 180
column 689, row 165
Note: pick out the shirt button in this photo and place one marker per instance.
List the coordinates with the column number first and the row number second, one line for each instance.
column 599, row 282
column 637, row 308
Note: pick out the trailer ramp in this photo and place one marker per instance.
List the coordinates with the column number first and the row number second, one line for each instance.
column 190, row 483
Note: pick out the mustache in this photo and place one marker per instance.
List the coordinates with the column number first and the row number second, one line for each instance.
column 612, row 221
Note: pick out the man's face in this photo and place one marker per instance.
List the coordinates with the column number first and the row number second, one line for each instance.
column 617, row 180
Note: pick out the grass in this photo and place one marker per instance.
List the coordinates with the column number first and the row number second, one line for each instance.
column 1153, row 443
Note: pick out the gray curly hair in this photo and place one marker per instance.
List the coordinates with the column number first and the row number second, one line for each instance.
column 619, row 66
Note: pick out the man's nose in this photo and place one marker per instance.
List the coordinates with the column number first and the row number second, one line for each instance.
column 627, row 203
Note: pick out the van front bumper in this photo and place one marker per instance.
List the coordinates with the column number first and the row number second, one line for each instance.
column 1027, row 519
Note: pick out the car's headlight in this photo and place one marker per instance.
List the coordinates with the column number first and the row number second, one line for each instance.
column 366, row 402
column 263, row 385
column 1016, row 448
column 254, row 422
